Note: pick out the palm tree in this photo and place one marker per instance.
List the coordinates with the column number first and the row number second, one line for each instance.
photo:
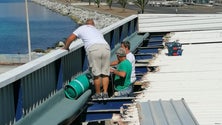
column 89, row 2
column 109, row 2
column 123, row 4
column 97, row 2
column 141, row 4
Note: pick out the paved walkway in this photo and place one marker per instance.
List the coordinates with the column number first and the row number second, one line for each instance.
column 133, row 9
column 4, row 68
column 105, row 9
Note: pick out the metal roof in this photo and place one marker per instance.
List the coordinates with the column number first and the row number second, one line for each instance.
column 194, row 76
column 173, row 112
column 178, row 22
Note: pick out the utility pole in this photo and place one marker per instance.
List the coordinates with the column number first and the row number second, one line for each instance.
column 28, row 29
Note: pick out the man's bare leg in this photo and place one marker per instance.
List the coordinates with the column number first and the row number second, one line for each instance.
column 105, row 81
column 97, row 84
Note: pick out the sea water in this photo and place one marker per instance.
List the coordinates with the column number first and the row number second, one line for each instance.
column 46, row 27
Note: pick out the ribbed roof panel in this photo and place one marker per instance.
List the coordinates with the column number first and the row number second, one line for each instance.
column 194, row 76
column 165, row 113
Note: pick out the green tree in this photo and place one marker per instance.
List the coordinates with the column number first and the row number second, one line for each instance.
column 123, row 4
column 98, row 3
column 109, row 2
column 141, row 4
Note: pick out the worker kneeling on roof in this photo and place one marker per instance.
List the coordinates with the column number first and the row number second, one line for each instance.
column 122, row 74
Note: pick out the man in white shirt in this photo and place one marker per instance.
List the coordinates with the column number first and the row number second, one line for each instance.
column 126, row 45
column 98, row 53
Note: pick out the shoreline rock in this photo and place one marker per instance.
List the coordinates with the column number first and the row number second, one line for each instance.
column 78, row 14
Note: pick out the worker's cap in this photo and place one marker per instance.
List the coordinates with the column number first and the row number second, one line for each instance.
column 121, row 52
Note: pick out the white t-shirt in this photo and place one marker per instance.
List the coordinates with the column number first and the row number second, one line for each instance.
column 89, row 35
column 131, row 58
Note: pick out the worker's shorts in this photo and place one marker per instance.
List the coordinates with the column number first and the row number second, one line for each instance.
column 99, row 59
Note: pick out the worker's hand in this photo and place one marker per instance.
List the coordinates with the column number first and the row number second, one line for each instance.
column 66, row 48
column 112, row 69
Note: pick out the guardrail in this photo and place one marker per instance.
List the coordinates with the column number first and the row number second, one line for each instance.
column 26, row 87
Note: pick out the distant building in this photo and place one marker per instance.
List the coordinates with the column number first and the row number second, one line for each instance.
column 166, row 3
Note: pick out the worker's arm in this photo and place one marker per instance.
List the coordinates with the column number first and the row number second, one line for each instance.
column 69, row 40
column 117, row 72
column 116, row 62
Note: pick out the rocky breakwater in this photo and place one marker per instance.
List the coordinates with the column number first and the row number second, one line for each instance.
column 79, row 14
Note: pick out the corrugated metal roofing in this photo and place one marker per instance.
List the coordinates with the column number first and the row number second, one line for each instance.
column 173, row 112
column 194, row 76
column 178, row 22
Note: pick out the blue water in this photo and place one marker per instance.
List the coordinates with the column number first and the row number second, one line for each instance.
column 46, row 27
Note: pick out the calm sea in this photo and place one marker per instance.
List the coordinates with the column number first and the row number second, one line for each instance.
column 46, row 27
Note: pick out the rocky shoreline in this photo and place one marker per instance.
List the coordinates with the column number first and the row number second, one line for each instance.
column 79, row 14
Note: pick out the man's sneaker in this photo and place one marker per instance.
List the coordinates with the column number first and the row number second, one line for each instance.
column 105, row 95
column 116, row 94
column 96, row 96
